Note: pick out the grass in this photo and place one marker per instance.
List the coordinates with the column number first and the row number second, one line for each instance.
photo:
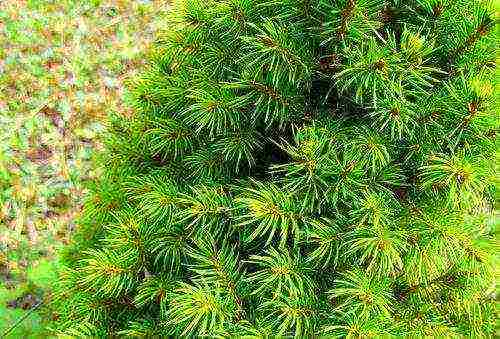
column 63, row 64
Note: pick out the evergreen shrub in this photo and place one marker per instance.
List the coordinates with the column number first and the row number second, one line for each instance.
column 297, row 168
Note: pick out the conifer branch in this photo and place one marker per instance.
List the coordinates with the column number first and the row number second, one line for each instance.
column 297, row 168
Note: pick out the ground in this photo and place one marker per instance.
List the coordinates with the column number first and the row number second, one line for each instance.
column 63, row 68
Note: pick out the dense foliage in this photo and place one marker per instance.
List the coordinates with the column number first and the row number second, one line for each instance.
column 61, row 65
column 298, row 167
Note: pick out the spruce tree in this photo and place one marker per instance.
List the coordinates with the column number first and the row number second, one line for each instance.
column 297, row 168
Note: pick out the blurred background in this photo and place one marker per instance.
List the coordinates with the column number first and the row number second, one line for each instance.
column 63, row 68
